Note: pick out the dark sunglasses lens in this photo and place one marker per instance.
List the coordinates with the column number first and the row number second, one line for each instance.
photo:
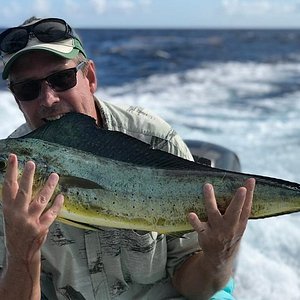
column 50, row 31
column 30, row 90
column 26, row 91
column 63, row 80
column 14, row 40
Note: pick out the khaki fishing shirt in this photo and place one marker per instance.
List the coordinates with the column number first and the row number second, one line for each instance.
column 115, row 263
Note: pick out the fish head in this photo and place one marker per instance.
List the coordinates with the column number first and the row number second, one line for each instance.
column 8, row 146
column 3, row 166
column 5, row 150
column 21, row 148
column 25, row 149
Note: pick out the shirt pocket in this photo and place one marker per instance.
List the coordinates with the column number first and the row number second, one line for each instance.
column 144, row 256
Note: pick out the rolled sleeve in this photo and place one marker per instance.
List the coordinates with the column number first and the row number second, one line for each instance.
column 179, row 249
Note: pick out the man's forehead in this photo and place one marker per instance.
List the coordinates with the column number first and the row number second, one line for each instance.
column 39, row 57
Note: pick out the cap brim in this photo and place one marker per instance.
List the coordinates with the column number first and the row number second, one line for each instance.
column 68, row 49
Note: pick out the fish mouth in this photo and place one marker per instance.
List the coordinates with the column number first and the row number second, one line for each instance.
column 52, row 118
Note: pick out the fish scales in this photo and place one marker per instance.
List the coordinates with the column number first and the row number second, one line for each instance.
column 102, row 191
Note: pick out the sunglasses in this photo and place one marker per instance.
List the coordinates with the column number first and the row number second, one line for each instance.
column 46, row 30
column 60, row 81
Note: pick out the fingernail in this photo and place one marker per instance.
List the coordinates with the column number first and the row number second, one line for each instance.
column 30, row 165
column 10, row 157
column 54, row 176
column 207, row 187
column 242, row 191
column 191, row 216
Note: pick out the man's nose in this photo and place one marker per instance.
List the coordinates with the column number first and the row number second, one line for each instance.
column 48, row 96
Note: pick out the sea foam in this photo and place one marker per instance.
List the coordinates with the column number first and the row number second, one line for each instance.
column 250, row 108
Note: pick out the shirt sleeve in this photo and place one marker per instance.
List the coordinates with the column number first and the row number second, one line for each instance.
column 179, row 249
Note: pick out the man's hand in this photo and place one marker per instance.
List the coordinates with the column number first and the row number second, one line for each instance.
column 220, row 236
column 26, row 223
column 208, row 271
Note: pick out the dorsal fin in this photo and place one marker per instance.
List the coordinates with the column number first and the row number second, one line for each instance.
column 80, row 131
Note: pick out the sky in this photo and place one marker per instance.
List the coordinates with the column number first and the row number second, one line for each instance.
column 157, row 13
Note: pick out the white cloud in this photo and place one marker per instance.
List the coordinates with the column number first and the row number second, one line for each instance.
column 99, row 6
column 102, row 6
column 257, row 7
column 124, row 5
column 41, row 7
column 71, row 6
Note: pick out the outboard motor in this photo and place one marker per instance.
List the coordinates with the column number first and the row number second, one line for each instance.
column 219, row 156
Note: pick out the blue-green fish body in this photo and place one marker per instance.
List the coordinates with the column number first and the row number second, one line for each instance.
column 113, row 180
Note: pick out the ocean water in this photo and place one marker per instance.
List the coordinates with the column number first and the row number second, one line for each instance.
column 236, row 88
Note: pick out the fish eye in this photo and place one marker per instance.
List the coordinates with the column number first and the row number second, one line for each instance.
column 3, row 164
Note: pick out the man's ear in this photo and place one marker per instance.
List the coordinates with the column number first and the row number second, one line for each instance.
column 91, row 76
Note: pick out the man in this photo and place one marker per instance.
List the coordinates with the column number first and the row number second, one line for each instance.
column 50, row 75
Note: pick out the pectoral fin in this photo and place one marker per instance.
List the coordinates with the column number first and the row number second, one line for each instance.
column 73, row 181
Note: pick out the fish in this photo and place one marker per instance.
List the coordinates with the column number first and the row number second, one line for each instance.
column 112, row 180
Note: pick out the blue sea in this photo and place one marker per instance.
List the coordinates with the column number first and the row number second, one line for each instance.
column 236, row 88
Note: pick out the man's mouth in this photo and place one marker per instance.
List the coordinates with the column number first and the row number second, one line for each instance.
column 53, row 118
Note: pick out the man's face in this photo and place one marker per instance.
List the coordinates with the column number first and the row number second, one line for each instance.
column 50, row 104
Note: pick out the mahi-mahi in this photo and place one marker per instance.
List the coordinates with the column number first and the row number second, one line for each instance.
column 111, row 179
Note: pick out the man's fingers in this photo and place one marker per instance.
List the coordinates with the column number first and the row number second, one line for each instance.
column 239, row 208
column 24, row 194
column 250, row 186
column 212, row 210
column 234, row 210
column 50, row 215
column 196, row 223
column 10, row 185
column 41, row 200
